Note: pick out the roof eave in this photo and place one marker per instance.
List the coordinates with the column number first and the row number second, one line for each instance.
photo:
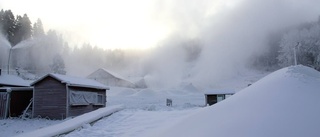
column 16, row 85
column 219, row 93
column 88, row 86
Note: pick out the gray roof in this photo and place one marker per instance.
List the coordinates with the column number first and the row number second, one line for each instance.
column 219, row 91
column 103, row 71
column 75, row 81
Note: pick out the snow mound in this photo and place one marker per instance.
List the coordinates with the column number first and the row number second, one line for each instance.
column 72, row 124
column 146, row 93
column 283, row 104
column 121, row 91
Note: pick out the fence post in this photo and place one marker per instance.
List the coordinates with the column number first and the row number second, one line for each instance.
column 169, row 102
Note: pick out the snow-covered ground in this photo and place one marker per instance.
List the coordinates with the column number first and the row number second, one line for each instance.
column 145, row 110
column 131, row 123
column 74, row 123
column 282, row 104
column 15, row 126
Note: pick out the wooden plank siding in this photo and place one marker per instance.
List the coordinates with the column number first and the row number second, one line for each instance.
column 81, row 109
column 50, row 99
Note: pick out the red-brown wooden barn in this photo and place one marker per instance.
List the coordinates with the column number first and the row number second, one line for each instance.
column 59, row 96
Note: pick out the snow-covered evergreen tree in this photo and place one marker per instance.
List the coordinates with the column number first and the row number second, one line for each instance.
column 306, row 43
column 57, row 65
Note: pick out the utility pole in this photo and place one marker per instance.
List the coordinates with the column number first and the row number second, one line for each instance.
column 295, row 54
column 9, row 59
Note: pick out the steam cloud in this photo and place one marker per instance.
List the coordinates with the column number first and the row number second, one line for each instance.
column 211, row 40
column 230, row 36
column 4, row 51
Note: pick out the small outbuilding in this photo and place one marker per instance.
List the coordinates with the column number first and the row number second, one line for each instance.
column 15, row 95
column 217, row 95
column 110, row 78
column 58, row 96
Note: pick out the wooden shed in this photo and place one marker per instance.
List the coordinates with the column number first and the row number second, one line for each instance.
column 217, row 95
column 59, row 96
column 15, row 96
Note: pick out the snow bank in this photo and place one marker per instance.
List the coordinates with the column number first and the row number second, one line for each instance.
column 14, row 126
column 74, row 123
column 121, row 91
column 146, row 93
column 154, row 99
column 130, row 123
column 282, row 104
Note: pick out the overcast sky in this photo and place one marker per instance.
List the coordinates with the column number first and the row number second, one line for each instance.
column 139, row 23
column 118, row 23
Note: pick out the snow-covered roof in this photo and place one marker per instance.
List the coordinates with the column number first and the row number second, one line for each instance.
column 100, row 71
column 12, row 80
column 219, row 91
column 75, row 81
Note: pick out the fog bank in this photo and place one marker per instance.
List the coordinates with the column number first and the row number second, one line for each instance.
column 230, row 37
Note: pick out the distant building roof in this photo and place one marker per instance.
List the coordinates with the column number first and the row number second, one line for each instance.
column 219, row 91
column 75, row 81
column 12, row 80
column 103, row 70
column 102, row 75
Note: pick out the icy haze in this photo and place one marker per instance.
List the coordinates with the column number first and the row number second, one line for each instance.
column 282, row 104
column 230, row 34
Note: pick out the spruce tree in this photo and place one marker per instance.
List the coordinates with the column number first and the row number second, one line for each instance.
column 38, row 29
column 8, row 25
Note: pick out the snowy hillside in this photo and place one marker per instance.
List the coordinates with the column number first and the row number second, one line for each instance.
column 282, row 104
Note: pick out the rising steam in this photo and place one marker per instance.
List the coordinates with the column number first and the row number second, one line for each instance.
column 230, row 37
column 210, row 41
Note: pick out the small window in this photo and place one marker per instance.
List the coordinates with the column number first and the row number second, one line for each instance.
column 82, row 97
column 220, row 98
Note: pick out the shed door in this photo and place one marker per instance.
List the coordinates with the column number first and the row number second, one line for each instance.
column 3, row 104
column 211, row 99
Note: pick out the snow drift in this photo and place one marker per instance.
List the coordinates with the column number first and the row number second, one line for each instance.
column 282, row 104
column 72, row 124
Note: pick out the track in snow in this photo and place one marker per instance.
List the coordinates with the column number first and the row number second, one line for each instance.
column 131, row 123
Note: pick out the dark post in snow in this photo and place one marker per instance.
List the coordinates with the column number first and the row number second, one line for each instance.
column 169, row 102
column 295, row 54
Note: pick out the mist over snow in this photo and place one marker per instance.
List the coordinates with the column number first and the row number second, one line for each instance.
column 229, row 38
column 4, row 48
column 209, row 41
column 203, row 45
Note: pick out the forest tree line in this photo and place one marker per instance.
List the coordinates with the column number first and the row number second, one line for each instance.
column 300, row 45
column 19, row 28
column 38, row 52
